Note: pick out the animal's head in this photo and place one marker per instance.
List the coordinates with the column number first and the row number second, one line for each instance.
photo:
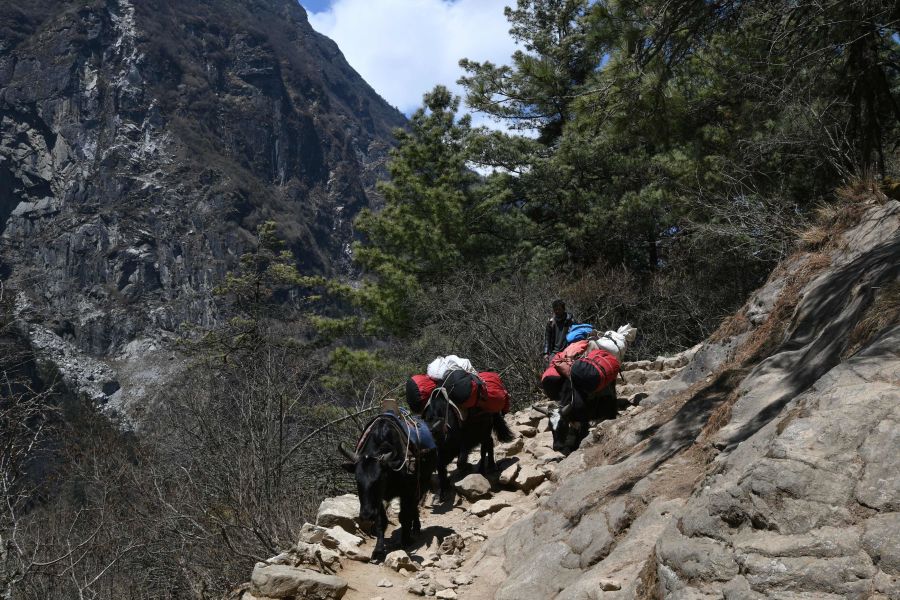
column 370, row 466
column 435, row 415
column 560, row 428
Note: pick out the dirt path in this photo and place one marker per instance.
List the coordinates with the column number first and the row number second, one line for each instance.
column 439, row 521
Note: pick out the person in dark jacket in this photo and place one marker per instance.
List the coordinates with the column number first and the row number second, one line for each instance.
column 557, row 328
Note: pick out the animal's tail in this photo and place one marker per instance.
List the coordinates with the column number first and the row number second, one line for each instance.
column 501, row 429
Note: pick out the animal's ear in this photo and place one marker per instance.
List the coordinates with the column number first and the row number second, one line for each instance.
column 349, row 466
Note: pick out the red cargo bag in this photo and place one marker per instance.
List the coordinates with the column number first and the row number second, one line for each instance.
column 595, row 371
column 492, row 397
column 418, row 390
column 562, row 360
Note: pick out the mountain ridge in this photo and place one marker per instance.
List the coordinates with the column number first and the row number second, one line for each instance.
column 142, row 143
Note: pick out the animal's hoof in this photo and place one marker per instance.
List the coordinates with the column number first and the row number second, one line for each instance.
column 378, row 556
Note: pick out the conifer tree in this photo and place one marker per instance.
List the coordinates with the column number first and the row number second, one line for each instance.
column 435, row 217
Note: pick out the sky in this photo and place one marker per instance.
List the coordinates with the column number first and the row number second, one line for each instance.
column 403, row 48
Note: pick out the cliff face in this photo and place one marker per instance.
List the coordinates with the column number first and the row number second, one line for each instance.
column 141, row 143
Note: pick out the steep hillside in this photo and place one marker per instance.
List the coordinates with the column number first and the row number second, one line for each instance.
column 764, row 468
column 142, row 142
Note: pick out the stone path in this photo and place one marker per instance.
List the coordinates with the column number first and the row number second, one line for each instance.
column 331, row 558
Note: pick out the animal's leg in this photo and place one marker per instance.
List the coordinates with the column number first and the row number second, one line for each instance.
column 381, row 522
column 408, row 518
column 487, row 454
column 443, row 480
column 462, row 461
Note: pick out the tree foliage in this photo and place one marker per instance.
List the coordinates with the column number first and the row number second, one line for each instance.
column 436, row 215
column 671, row 114
column 684, row 138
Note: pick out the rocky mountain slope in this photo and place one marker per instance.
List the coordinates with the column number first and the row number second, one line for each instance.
column 765, row 468
column 142, row 142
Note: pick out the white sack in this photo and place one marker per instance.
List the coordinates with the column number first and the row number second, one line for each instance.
column 439, row 367
column 615, row 342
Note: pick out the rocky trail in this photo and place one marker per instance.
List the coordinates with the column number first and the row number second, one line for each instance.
column 761, row 464
column 453, row 534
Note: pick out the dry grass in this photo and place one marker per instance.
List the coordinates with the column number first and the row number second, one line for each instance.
column 648, row 580
column 732, row 326
column 832, row 219
column 891, row 188
column 730, row 378
column 884, row 311
column 816, row 236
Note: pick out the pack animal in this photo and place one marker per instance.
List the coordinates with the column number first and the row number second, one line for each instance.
column 388, row 465
column 570, row 423
column 456, row 436
column 587, row 389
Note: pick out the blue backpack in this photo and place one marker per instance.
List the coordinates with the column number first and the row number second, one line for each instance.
column 579, row 331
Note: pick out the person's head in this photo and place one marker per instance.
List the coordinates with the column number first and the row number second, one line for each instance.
column 559, row 308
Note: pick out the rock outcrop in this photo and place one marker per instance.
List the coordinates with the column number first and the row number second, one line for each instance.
column 761, row 464
column 140, row 145
column 764, row 469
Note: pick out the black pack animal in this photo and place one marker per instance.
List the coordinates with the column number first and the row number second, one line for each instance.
column 454, row 436
column 578, row 407
column 387, row 466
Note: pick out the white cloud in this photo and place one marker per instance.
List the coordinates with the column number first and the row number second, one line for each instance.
column 403, row 48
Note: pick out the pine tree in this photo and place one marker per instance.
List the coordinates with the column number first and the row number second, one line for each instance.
column 435, row 216
column 536, row 91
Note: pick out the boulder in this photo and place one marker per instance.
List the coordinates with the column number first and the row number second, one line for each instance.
column 346, row 543
column 280, row 581
column 313, row 534
column 529, row 478
column 527, row 430
column 638, row 364
column 342, row 511
column 488, row 506
column 285, row 558
column 414, row 586
column 636, row 377
column 513, row 447
column 442, row 581
column 452, row 544
column 473, row 486
column 316, row 555
column 609, row 585
column 398, row 559
column 675, row 362
column 508, row 475
column 880, row 541
column 527, row 417
column 544, row 488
